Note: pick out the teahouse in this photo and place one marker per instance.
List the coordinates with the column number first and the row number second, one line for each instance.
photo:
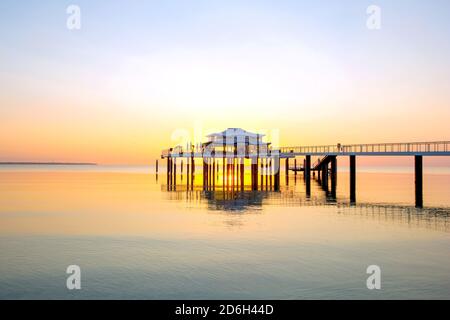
column 231, row 147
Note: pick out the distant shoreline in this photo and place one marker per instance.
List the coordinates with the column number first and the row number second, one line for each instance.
column 50, row 163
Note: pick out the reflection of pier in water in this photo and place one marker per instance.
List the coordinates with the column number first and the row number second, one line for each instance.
column 237, row 197
column 249, row 201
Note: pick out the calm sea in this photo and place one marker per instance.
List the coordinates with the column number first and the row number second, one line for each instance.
column 134, row 239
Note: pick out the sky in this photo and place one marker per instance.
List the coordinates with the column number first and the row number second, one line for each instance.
column 139, row 76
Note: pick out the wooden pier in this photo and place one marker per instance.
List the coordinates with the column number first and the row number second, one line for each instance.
column 230, row 153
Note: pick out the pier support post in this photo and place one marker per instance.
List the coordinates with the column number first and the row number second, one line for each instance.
column 207, row 173
column 262, row 173
column 295, row 166
column 352, row 178
column 418, row 174
column 232, row 173
column 168, row 172
column 270, row 172
column 325, row 176
column 156, row 166
column 286, row 169
column 237, row 174
column 211, row 177
column 254, row 173
column 223, row 172
column 307, row 174
column 266, row 171
column 277, row 174
column 227, row 173
column 214, row 173
column 187, row 175
column 304, row 166
column 333, row 176
column 210, row 173
column 204, row 173
column 242, row 172
column 181, row 174
column 192, row 172
column 174, row 173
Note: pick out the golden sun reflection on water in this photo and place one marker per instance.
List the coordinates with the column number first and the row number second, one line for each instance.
column 111, row 203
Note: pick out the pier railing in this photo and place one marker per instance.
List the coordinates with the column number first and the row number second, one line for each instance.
column 404, row 148
column 439, row 146
column 436, row 147
column 310, row 149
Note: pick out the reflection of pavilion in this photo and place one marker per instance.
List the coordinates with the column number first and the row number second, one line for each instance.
column 245, row 202
column 231, row 201
column 219, row 199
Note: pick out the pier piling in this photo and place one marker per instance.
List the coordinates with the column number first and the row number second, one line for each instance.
column 174, row 172
column 307, row 174
column 418, row 174
column 262, row 174
column 214, row 173
column 352, row 178
column 277, row 174
column 242, row 172
column 333, row 176
column 168, row 172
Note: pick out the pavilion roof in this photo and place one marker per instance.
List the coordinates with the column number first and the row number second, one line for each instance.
column 232, row 132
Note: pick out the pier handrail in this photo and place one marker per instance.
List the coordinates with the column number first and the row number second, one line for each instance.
column 434, row 146
column 392, row 147
column 309, row 149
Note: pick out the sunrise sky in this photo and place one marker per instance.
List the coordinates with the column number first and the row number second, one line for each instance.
column 139, row 73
